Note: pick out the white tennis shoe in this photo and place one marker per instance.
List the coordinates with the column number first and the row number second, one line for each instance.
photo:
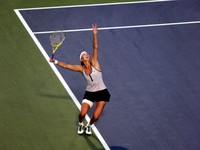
column 80, row 128
column 88, row 129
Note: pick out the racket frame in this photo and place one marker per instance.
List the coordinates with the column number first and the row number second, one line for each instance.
column 55, row 46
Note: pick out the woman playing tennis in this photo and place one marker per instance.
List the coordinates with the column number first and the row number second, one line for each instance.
column 96, row 91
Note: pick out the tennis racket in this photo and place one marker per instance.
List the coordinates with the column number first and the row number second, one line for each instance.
column 56, row 39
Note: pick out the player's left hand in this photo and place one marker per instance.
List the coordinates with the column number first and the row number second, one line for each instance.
column 94, row 28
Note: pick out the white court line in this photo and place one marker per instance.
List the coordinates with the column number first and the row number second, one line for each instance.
column 60, row 77
column 103, row 4
column 125, row 27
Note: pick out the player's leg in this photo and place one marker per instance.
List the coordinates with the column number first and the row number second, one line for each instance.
column 97, row 112
column 86, row 105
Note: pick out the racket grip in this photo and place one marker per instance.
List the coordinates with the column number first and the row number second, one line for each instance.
column 52, row 56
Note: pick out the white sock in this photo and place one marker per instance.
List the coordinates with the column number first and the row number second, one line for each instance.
column 81, row 123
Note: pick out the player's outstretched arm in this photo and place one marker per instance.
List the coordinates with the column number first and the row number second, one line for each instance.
column 77, row 68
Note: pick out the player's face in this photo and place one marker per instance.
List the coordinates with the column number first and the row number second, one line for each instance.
column 85, row 57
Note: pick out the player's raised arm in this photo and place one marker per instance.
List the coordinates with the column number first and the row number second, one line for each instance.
column 77, row 68
column 95, row 62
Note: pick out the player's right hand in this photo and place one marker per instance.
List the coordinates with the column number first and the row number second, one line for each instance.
column 52, row 60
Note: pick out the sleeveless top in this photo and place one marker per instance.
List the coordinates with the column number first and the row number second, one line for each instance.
column 94, row 80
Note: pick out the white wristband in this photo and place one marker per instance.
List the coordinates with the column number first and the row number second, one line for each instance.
column 55, row 62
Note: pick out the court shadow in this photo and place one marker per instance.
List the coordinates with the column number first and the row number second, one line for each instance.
column 118, row 148
column 90, row 143
column 53, row 96
column 94, row 147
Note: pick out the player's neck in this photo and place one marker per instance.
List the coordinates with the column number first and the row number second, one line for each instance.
column 87, row 64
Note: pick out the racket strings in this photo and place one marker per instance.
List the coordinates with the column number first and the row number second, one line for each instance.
column 57, row 38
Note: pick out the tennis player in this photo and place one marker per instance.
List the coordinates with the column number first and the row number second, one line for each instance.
column 96, row 91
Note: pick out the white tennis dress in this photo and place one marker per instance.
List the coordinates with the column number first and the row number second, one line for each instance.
column 94, row 80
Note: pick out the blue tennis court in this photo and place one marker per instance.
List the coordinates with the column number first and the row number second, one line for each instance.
column 149, row 54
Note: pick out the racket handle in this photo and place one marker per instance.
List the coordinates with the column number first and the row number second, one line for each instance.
column 52, row 56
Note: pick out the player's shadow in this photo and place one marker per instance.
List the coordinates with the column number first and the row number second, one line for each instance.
column 94, row 147
column 90, row 143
